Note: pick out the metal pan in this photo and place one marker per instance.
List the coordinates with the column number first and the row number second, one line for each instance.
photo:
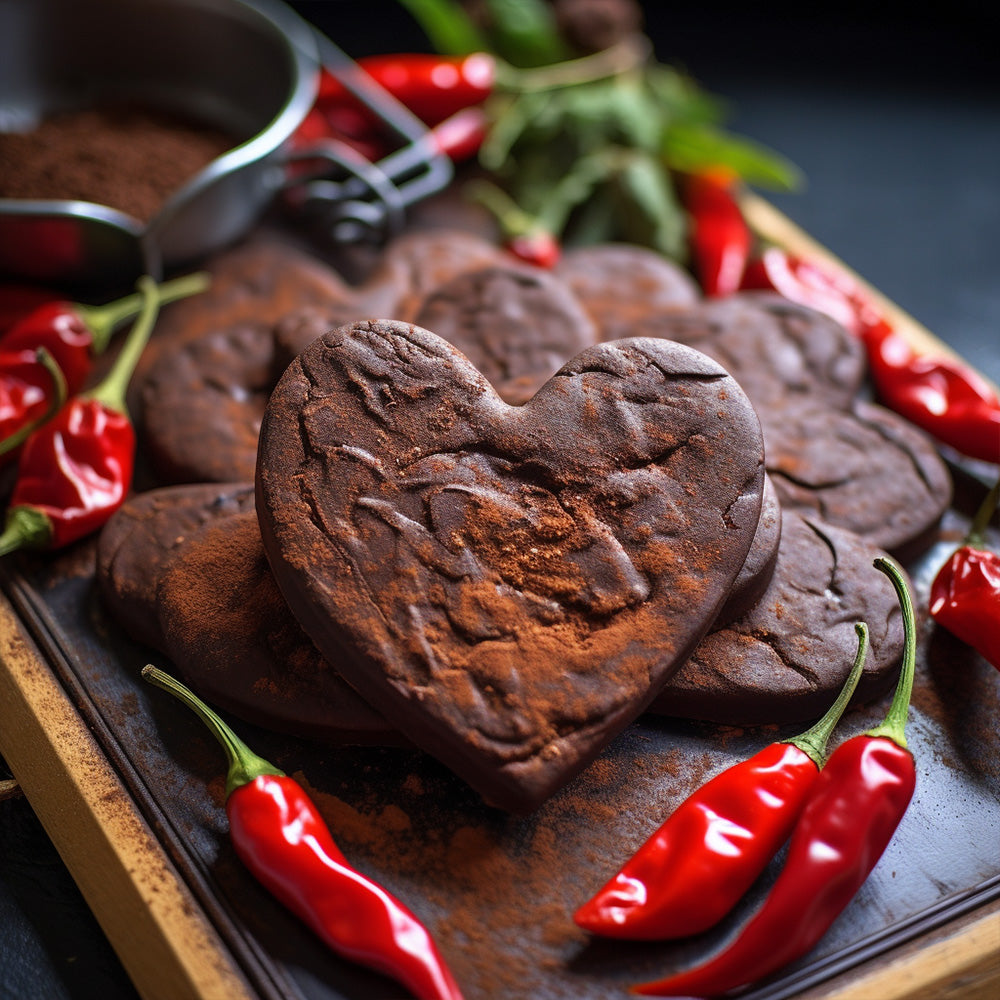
column 246, row 66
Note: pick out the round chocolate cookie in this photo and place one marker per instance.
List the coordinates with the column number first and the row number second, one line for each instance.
column 618, row 284
column 758, row 569
column 780, row 352
column 787, row 658
column 257, row 282
column 230, row 634
column 865, row 469
column 509, row 585
column 517, row 325
column 202, row 405
column 416, row 263
column 140, row 538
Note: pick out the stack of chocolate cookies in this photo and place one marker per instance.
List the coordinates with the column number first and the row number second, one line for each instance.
column 498, row 513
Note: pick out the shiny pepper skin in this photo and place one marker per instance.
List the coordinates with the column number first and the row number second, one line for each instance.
column 965, row 599
column 720, row 238
column 697, row 865
column 849, row 819
column 63, row 332
column 26, row 391
column 284, row 842
column 946, row 399
column 76, row 469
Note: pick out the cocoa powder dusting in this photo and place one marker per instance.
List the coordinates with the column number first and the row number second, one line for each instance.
column 131, row 159
column 482, row 879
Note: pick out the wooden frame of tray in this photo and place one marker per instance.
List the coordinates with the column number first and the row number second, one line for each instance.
column 166, row 943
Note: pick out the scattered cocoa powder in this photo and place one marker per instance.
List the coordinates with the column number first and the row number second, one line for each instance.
column 131, row 159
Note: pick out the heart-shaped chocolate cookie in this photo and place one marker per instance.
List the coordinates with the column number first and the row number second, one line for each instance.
column 508, row 585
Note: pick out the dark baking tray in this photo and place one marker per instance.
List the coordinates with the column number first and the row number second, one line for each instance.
column 499, row 891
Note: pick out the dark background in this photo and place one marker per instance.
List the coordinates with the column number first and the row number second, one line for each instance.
column 892, row 113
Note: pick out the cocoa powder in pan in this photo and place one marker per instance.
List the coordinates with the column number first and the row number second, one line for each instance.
column 127, row 158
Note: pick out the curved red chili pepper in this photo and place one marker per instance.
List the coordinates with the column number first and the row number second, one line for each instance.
column 281, row 837
column 692, row 871
column 944, row 398
column 433, row 87
column 848, row 820
column 965, row 594
column 74, row 334
column 807, row 283
column 460, row 136
column 32, row 389
column 720, row 239
column 76, row 469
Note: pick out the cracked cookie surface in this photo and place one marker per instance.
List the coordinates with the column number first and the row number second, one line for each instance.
column 507, row 585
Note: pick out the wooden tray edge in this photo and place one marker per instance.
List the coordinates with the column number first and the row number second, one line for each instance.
column 773, row 225
column 168, row 948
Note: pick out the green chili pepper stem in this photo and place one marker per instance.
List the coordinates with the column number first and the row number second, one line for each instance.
column 814, row 740
column 111, row 391
column 976, row 538
column 102, row 320
column 25, row 528
column 56, row 400
column 894, row 725
column 244, row 764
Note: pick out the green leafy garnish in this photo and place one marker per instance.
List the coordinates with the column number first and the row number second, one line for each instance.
column 589, row 148
column 447, row 26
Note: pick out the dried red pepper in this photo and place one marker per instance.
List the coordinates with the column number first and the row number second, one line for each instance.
column 692, row 871
column 75, row 470
column 281, row 837
column 848, row 820
column 965, row 594
column 720, row 238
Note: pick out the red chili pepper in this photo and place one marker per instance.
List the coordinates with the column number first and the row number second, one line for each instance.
column 32, row 390
column 809, row 284
column 19, row 300
column 965, row 594
column 848, row 820
column 74, row 334
column 76, row 469
column 944, row 398
column 720, row 239
column 460, row 136
column 71, row 336
column 280, row 836
column 433, row 87
column 692, row 871
column 537, row 247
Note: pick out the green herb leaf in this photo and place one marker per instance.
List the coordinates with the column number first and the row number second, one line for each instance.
column 690, row 148
column 524, row 32
column 448, row 28
column 651, row 214
column 680, row 98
